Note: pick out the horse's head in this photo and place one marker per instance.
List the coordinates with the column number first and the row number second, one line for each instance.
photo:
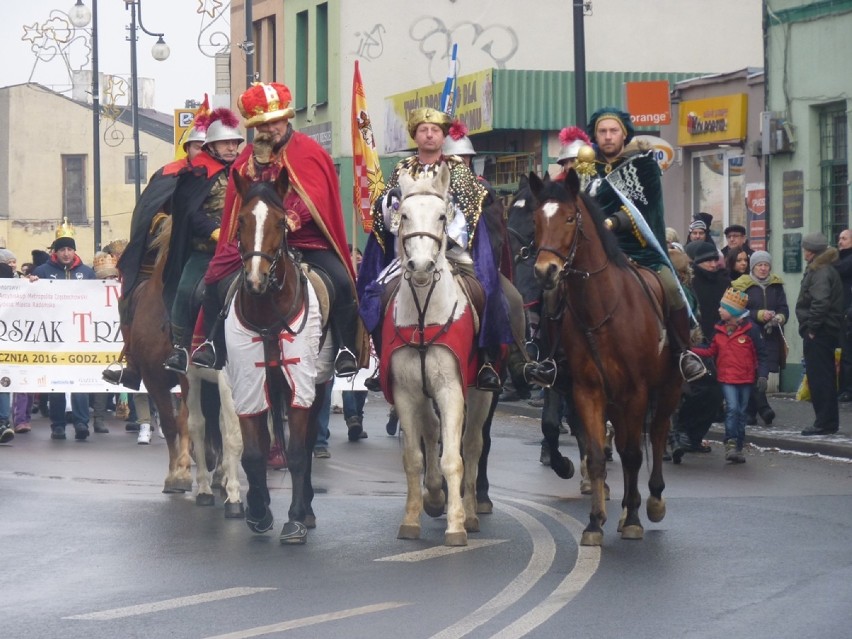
column 423, row 224
column 262, row 230
column 557, row 218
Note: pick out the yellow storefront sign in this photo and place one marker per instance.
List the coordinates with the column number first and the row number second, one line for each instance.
column 184, row 119
column 474, row 107
column 718, row 120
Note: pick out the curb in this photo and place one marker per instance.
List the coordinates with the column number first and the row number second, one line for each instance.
column 828, row 445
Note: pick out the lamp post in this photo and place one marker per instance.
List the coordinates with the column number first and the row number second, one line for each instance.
column 160, row 51
column 80, row 17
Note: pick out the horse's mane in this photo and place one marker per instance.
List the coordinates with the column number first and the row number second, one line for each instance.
column 161, row 241
column 555, row 190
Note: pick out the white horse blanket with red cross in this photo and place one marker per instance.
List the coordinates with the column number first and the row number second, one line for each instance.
column 245, row 369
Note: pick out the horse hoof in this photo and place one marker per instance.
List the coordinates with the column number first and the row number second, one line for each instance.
column 407, row 531
column 484, row 507
column 591, row 538
column 204, row 499
column 585, row 487
column 293, row 532
column 234, row 510
column 311, row 521
column 633, row 531
column 655, row 509
column 433, row 509
column 562, row 466
column 261, row 524
column 471, row 524
column 177, row 486
column 455, row 539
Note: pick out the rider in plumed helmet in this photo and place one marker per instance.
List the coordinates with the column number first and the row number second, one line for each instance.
column 197, row 205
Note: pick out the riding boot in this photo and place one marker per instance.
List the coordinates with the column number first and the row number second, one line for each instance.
column 178, row 360
column 691, row 366
column 515, row 365
column 487, row 378
column 345, row 329
column 205, row 355
column 127, row 376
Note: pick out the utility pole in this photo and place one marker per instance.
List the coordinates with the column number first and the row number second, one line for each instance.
column 579, row 64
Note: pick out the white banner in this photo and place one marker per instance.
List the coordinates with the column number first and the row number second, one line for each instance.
column 58, row 335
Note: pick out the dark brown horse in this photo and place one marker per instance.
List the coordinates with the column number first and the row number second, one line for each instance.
column 612, row 332
column 274, row 336
column 149, row 342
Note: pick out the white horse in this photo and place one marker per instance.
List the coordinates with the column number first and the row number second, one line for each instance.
column 426, row 377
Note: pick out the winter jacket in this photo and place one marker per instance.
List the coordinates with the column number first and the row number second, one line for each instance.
column 819, row 308
column 53, row 270
column 740, row 357
column 844, row 267
column 767, row 296
column 709, row 287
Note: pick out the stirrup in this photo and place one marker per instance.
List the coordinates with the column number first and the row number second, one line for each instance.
column 542, row 373
column 200, row 353
column 532, row 350
column 691, row 367
column 344, row 368
column 487, row 379
column 179, row 356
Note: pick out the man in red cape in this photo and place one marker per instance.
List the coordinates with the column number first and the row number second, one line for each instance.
column 313, row 209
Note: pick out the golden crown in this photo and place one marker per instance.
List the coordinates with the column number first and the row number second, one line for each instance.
column 735, row 298
column 65, row 229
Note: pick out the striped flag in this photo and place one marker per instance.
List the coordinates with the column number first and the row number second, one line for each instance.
column 450, row 95
column 369, row 182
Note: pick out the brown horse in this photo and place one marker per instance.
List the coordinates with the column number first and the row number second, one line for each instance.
column 148, row 343
column 274, row 338
column 612, row 333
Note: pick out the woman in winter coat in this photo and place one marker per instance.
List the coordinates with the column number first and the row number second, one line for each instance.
column 767, row 305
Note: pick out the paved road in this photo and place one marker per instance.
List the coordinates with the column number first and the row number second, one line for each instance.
column 92, row 549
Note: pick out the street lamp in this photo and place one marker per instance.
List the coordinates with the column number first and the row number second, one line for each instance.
column 80, row 17
column 160, row 51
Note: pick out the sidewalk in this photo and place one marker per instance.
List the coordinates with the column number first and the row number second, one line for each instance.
column 784, row 434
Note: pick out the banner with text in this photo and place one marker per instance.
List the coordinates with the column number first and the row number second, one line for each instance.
column 58, row 336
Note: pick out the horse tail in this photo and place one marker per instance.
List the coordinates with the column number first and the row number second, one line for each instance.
column 277, row 412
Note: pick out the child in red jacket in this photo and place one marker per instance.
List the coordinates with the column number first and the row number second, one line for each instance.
column 737, row 347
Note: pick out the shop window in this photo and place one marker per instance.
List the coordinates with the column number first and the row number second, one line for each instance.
column 506, row 171
column 74, row 188
column 834, row 170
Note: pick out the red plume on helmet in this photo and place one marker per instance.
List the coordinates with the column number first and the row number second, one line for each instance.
column 225, row 116
column 457, row 130
column 571, row 134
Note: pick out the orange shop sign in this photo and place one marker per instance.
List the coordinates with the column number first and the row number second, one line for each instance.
column 648, row 102
column 713, row 120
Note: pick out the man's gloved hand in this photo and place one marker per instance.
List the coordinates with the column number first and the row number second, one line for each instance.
column 761, row 384
column 393, row 194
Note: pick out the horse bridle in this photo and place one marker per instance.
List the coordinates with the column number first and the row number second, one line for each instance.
column 568, row 260
column 423, row 346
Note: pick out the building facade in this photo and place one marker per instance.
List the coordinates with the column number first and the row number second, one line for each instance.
column 46, row 170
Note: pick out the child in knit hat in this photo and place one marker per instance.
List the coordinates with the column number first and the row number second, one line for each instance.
column 737, row 347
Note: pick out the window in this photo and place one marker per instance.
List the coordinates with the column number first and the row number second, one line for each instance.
column 74, row 188
column 130, row 169
column 834, row 170
column 300, row 96
column 322, row 54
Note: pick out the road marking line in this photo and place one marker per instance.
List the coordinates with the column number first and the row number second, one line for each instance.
column 169, row 604
column 310, row 621
column 541, row 560
column 588, row 560
column 442, row 551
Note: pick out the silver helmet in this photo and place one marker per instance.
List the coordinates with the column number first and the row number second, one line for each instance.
column 462, row 146
column 195, row 135
column 219, row 131
column 569, row 151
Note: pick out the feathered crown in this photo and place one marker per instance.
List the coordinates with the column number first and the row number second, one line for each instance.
column 571, row 134
column 65, row 229
column 457, row 130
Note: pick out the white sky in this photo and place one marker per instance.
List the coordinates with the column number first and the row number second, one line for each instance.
column 186, row 74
